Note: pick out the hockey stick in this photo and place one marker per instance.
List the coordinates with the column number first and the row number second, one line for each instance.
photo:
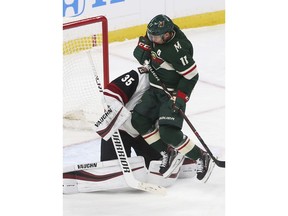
column 127, row 172
column 120, row 150
column 217, row 162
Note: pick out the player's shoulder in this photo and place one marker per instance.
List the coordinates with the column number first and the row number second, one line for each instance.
column 180, row 35
column 178, row 45
column 180, row 41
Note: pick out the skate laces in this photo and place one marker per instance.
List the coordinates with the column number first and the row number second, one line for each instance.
column 164, row 159
column 200, row 165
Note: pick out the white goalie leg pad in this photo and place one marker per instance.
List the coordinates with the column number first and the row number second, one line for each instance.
column 112, row 119
column 70, row 186
column 154, row 177
column 107, row 176
column 188, row 169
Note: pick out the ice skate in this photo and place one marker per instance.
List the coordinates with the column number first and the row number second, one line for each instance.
column 171, row 160
column 205, row 167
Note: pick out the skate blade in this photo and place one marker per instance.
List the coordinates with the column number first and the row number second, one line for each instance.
column 209, row 171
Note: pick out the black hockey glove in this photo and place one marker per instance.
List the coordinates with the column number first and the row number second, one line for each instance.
column 142, row 51
column 178, row 101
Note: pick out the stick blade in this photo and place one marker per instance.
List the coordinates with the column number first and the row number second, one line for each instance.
column 220, row 163
column 151, row 188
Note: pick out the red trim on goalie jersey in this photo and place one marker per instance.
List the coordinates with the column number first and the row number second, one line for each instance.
column 114, row 88
column 113, row 95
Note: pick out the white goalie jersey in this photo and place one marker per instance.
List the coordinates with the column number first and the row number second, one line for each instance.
column 121, row 96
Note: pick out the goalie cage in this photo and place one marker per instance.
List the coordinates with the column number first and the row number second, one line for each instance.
column 81, row 100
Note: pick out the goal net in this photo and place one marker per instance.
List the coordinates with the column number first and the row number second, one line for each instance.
column 85, row 49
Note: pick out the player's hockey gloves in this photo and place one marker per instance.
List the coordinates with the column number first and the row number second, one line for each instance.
column 142, row 51
column 178, row 101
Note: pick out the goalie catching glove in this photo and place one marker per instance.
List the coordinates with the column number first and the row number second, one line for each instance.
column 111, row 120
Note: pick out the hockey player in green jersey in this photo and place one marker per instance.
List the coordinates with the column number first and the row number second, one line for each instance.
column 167, row 50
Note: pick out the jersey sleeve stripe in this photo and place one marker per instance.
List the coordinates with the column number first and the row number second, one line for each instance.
column 114, row 88
column 190, row 72
column 113, row 95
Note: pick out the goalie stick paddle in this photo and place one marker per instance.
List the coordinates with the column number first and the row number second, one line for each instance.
column 127, row 171
column 217, row 162
column 120, row 150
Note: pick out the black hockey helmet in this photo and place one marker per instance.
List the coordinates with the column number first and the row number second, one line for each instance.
column 160, row 25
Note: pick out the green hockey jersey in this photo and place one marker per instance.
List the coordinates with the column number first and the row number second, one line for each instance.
column 174, row 64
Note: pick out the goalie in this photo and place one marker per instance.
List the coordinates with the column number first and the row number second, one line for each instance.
column 126, row 90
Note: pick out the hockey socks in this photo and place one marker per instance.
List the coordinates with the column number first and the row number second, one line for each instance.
column 188, row 148
column 153, row 139
column 194, row 153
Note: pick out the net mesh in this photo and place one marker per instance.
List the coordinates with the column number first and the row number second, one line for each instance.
column 81, row 99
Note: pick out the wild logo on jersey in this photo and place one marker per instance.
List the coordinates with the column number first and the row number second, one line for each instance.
column 156, row 60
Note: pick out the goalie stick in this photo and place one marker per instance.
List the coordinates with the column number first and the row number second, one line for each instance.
column 217, row 162
column 120, row 150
